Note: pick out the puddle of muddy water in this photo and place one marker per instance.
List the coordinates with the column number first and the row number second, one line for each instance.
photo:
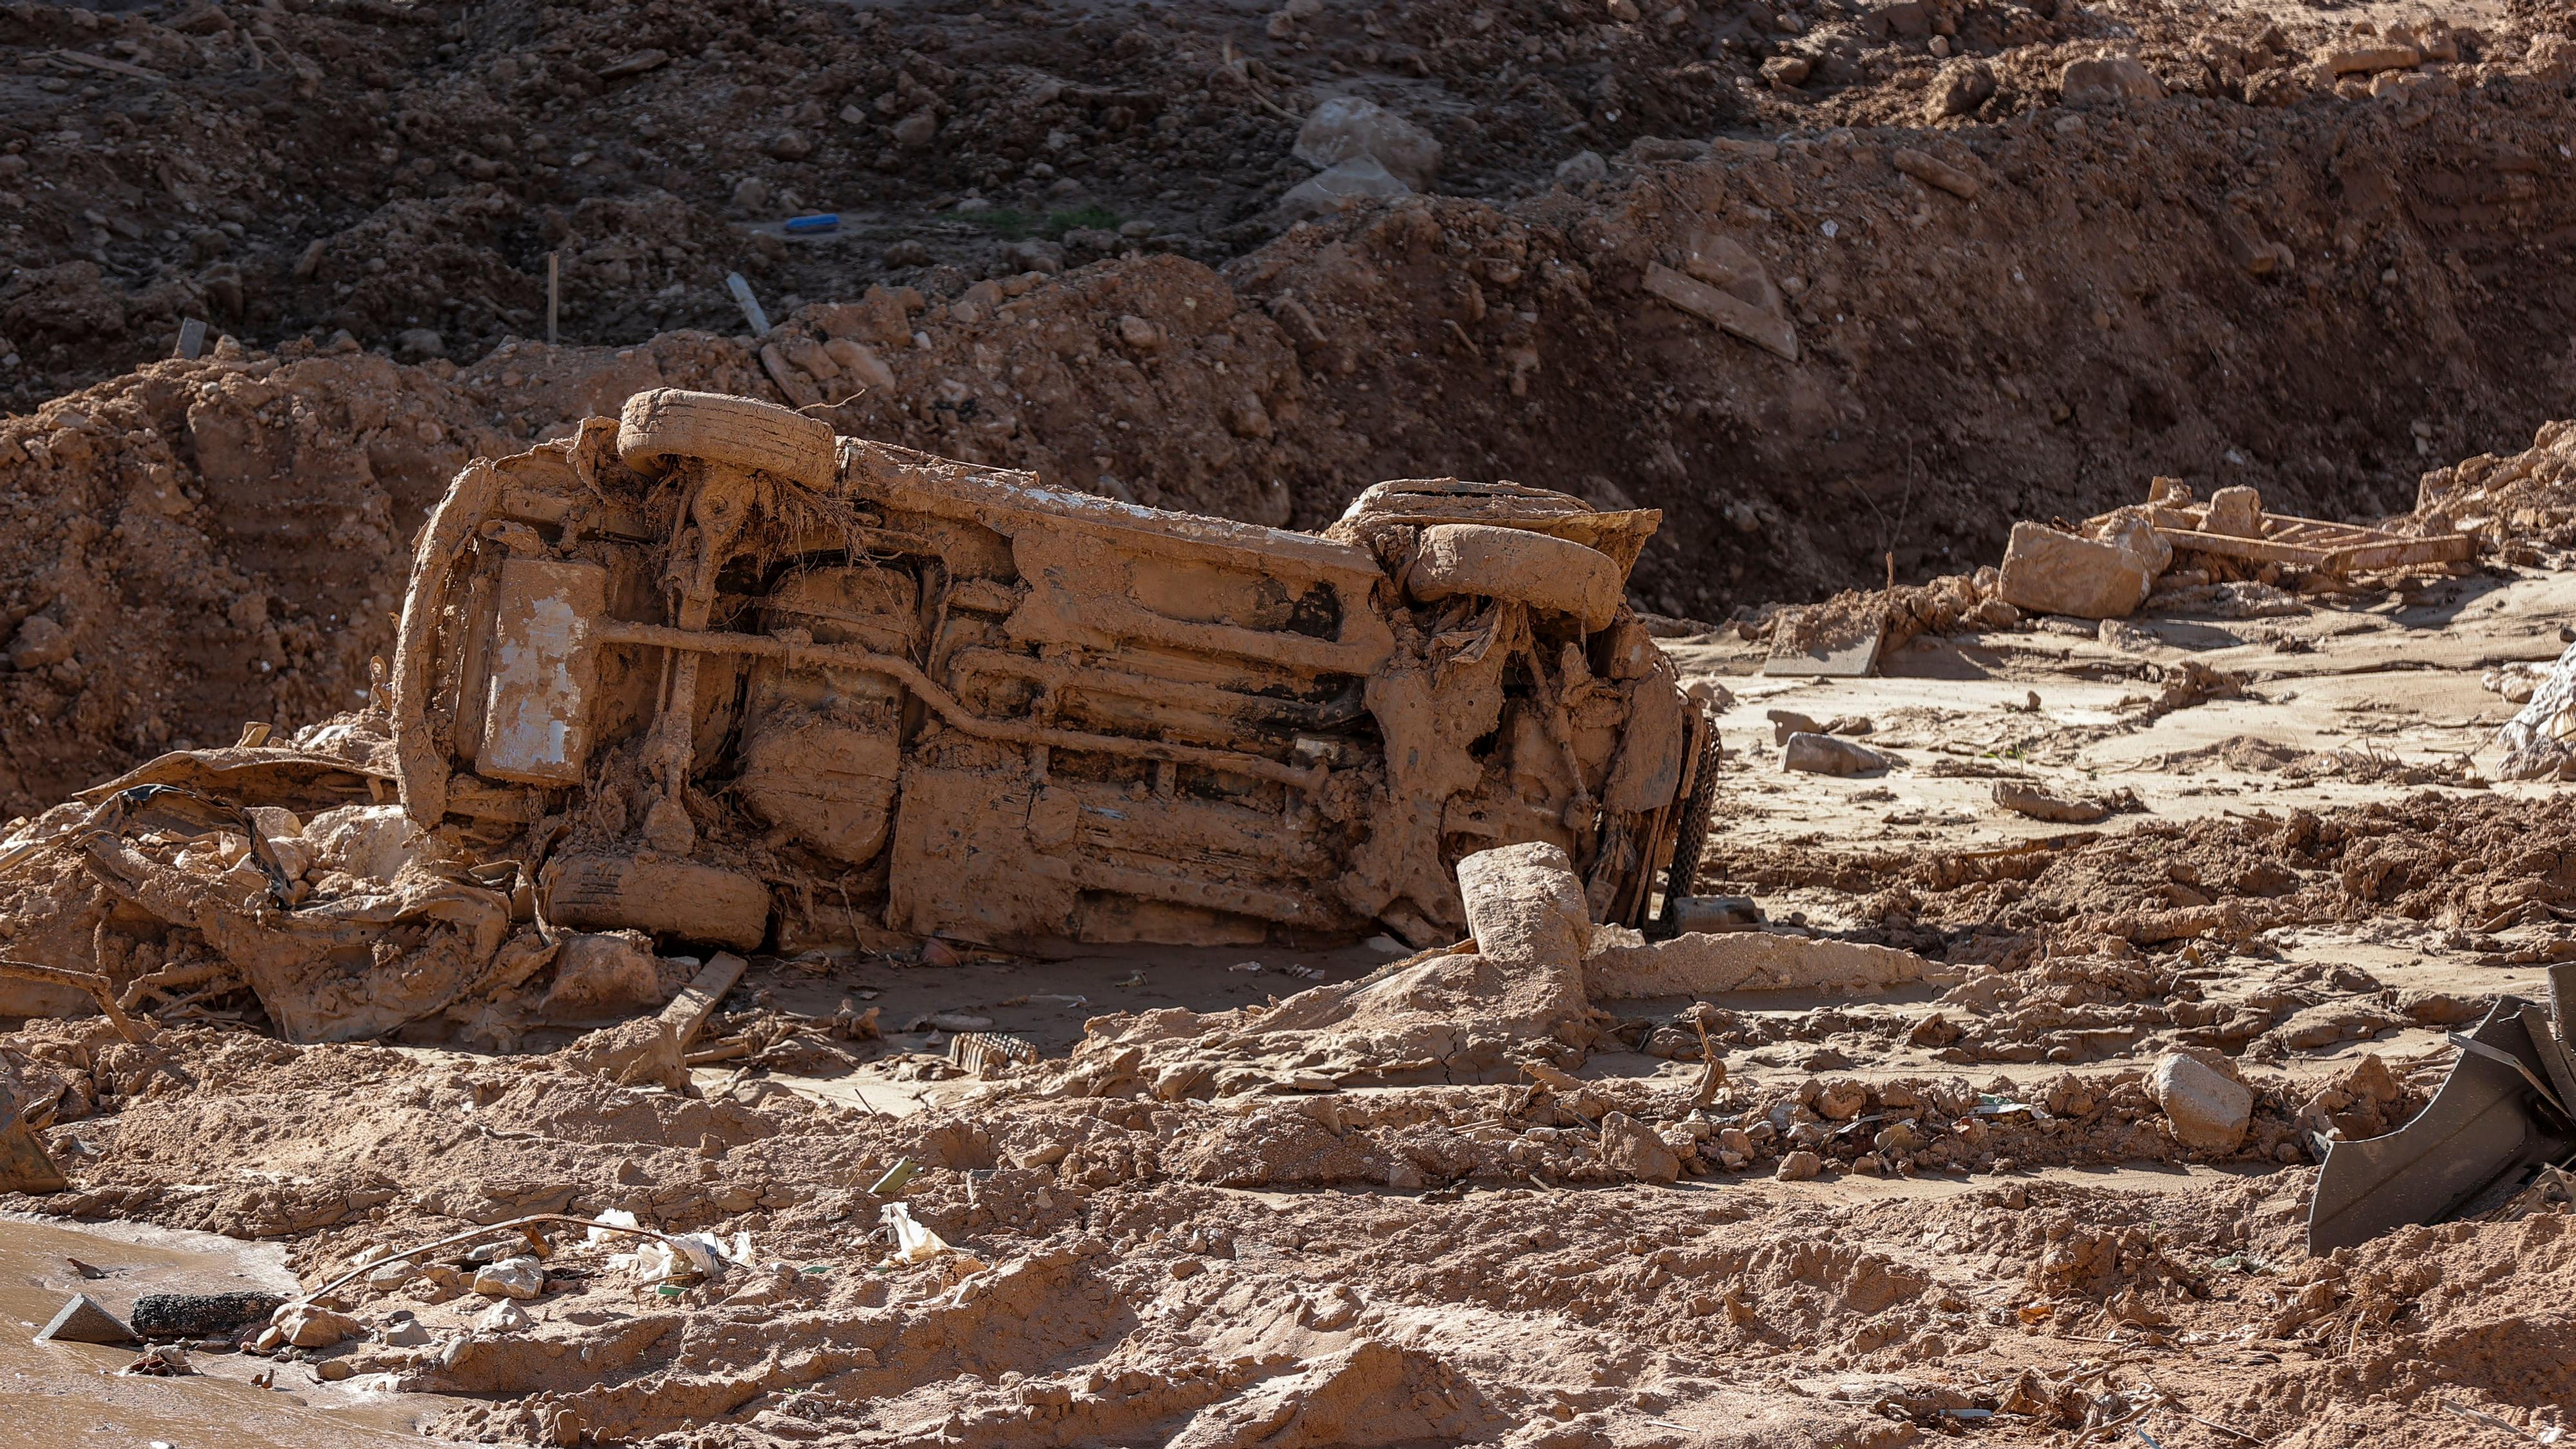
column 61, row 1394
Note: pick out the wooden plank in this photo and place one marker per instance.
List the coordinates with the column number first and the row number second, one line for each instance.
column 1727, row 312
column 688, row 1012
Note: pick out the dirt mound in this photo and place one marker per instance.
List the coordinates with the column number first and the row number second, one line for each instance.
column 2520, row 508
column 200, row 544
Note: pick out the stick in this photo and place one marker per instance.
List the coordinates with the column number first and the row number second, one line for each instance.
column 96, row 985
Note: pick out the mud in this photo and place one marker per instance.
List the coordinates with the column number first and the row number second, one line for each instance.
column 1843, row 291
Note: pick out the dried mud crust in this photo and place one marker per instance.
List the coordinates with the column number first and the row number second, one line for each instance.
column 1167, row 1270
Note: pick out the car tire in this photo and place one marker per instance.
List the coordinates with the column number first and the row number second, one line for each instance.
column 739, row 432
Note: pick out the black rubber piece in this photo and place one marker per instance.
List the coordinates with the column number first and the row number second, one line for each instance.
column 199, row 1315
column 1683, row 875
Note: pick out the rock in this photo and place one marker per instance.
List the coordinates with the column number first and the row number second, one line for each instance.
column 2364, row 56
column 2209, row 1111
column 860, row 363
column 601, row 978
column 1960, row 87
column 403, row 1330
column 2236, row 512
column 283, row 835
column 2552, row 58
column 419, row 344
column 1139, row 336
column 1623, row 11
column 1787, row 72
column 751, row 196
column 503, row 1317
column 2038, row 804
column 1711, row 915
column 1631, row 1147
column 1525, row 905
column 1787, row 722
column 84, row 1320
column 1582, row 169
column 39, row 643
column 1933, row 171
column 2110, row 80
column 644, row 1052
column 2132, row 531
column 879, row 318
column 307, row 1326
column 916, row 131
column 2048, row 572
column 790, row 145
column 1816, row 754
column 1346, row 128
column 510, row 1278
column 1340, row 187
column 1799, row 1166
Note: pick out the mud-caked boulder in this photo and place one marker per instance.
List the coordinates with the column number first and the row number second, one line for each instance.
column 2110, row 80
column 2048, row 572
column 1346, row 127
column 1632, row 1149
column 2209, row 1109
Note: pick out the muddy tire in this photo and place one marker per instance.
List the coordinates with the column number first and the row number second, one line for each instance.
column 1554, row 575
column 1692, row 839
column 739, row 432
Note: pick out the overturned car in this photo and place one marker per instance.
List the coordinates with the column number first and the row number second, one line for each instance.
column 710, row 673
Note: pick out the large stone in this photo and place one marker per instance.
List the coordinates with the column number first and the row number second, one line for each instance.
column 1345, row 128
column 1826, row 755
column 2110, row 80
column 2209, row 1110
column 307, row 1326
column 1631, row 1147
column 603, row 977
column 1525, row 905
column 510, row 1278
column 2236, row 512
column 2048, row 572
column 1338, row 188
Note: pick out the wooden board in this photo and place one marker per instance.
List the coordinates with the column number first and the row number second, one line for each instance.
column 2309, row 543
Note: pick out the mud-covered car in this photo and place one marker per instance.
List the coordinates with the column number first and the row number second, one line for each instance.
column 748, row 683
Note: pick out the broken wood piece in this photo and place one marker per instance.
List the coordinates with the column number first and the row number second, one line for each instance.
column 687, row 1012
column 108, row 64
column 723, row 1051
column 1730, row 314
column 98, row 987
column 1933, row 171
column 2309, row 543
